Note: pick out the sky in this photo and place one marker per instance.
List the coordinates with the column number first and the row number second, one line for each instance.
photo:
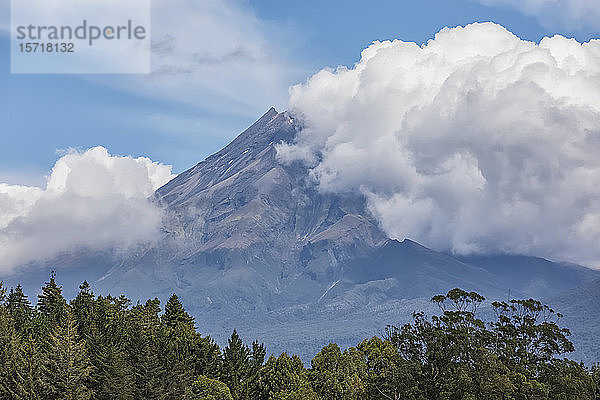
column 218, row 65
column 139, row 115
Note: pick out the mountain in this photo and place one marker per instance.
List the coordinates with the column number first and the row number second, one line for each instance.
column 581, row 308
column 251, row 243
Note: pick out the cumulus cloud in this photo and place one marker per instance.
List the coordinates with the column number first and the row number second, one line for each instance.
column 92, row 200
column 570, row 14
column 475, row 142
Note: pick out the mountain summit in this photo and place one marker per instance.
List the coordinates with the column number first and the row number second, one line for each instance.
column 251, row 243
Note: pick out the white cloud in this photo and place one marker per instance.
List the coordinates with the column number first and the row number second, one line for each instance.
column 474, row 142
column 570, row 14
column 216, row 55
column 92, row 200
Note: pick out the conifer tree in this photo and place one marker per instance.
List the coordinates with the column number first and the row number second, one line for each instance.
column 144, row 339
column 82, row 307
column 257, row 356
column 20, row 309
column 25, row 382
column 66, row 366
column 175, row 314
column 148, row 371
column 236, row 366
column 10, row 356
column 51, row 303
column 107, row 343
column 180, row 336
column 111, row 376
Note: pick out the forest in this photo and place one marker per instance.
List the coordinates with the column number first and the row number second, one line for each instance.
column 104, row 347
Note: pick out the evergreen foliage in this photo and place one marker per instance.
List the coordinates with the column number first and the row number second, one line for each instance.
column 98, row 347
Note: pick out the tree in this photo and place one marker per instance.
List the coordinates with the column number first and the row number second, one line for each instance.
column 51, row 303
column 338, row 375
column 66, row 367
column 20, row 309
column 25, row 379
column 280, row 376
column 567, row 379
column 304, row 393
column 460, row 356
column 144, row 336
column 527, row 334
column 387, row 374
column 110, row 377
column 257, row 356
column 205, row 388
column 236, row 367
column 183, row 348
column 82, row 307
column 175, row 314
column 19, row 366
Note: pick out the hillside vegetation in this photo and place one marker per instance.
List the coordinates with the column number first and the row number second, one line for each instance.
column 97, row 347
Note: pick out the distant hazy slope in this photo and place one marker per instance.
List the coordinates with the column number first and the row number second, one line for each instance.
column 251, row 243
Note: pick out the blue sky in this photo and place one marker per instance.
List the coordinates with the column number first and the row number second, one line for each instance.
column 179, row 121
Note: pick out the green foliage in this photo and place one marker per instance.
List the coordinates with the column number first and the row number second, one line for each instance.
column 205, row 388
column 52, row 306
column 304, row 393
column 103, row 348
column 387, row 374
column 568, row 380
column 21, row 311
column 236, row 365
column 457, row 355
column 66, row 366
column 175, row 314
column 338, row 375
column 279, row 376
column 145, row 337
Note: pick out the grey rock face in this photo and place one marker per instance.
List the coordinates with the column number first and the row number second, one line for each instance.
column 245, row 233
column 251, row 243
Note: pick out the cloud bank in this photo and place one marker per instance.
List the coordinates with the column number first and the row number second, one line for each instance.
column 475, row 142
column 92, row 200
column 570, row 14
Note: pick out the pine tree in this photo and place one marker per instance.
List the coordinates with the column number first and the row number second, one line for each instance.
column 176, row 314
column 180, row 344
column 107, row 342
column 51, row 303
column 10, row 356
column 145, row 339
column 66, row 366
column 236, row 367
column 148, row 371
column 83, row 309
column 25, row 381
column 20, row 309
column 205, row 356
column 111, row 376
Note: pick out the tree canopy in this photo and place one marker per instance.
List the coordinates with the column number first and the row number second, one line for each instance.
column 103, row 347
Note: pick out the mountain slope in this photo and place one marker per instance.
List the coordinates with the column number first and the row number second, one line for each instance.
column 581, row 310
column 251, row 243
